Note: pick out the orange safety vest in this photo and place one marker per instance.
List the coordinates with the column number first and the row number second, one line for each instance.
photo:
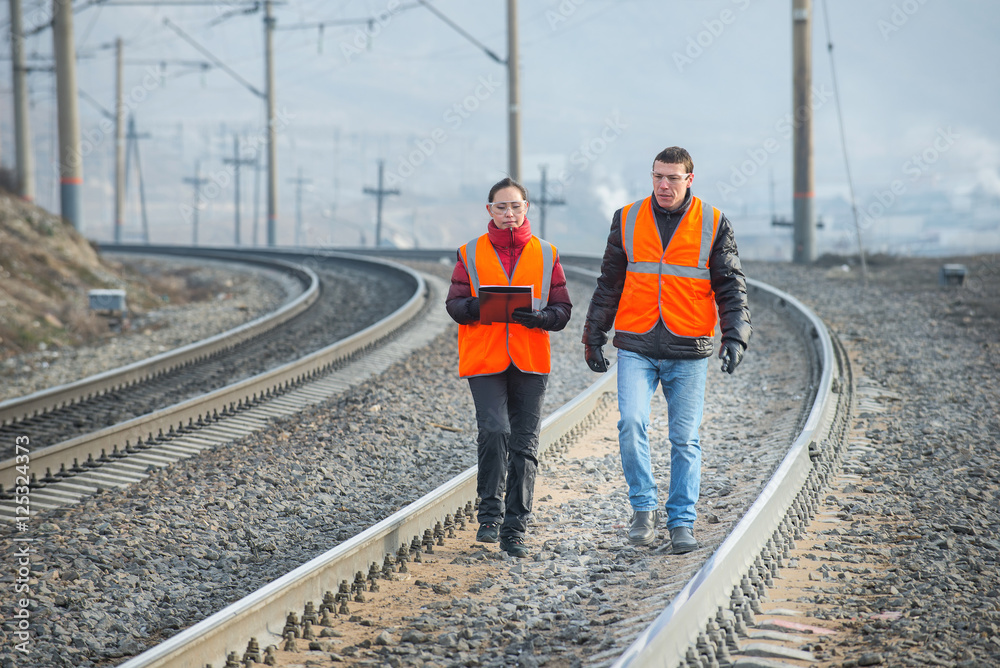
column 489, row 349
column 672, row 285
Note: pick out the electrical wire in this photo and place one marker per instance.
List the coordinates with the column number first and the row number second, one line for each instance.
column 843, row 143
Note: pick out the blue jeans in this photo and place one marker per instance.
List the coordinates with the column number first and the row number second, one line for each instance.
column 683, row 385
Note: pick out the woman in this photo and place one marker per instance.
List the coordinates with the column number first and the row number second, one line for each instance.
column 507, row 363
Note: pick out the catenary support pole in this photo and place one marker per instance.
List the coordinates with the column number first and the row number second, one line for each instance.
column 119, row 140
column 804, row 231
column 237, row 162
column 544, row 201
column 513, row 94
column 380, row 192
column 197, row 182
column 22, row 125
column 70, row 155
column 272, row 146
column 256, row 196
column 299, row 182
column 132, row 146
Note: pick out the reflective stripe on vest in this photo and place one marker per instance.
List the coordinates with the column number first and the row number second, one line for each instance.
column 671, row 284
column 488, row 349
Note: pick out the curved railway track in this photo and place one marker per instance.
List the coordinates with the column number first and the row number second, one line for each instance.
column 116, row 415
column 702, row 618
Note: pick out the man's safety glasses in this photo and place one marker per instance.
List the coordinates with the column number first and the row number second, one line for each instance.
column 674, row 179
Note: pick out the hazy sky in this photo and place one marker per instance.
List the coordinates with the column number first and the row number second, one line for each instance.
column 605, row 86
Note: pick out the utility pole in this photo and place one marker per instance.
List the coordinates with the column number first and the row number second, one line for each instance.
column 236, row 161
column 132, row 146
column 299, row 182
column 544, row 201
column 379, row 193
column 272, row 146
column 804, row 233
column 776, row 220
column 513, row 94
column 256, row 195
column 22, row 125
column 197, row 182
column 70, row 155
column 513, row 85
column 119, row 140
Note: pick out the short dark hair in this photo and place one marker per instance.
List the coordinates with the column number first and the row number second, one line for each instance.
column 675, row 155
column 508, row 183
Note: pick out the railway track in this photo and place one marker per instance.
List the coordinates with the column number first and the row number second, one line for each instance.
column 753, row 547
column 93, row 447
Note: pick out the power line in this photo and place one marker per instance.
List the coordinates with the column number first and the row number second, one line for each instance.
column 208, row 54
column 461, row 31
column 345, row 22
column 843, row 144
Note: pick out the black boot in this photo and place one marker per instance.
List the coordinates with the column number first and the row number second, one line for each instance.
column 643, row 529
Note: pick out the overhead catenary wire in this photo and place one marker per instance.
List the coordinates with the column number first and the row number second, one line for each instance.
column 228, row 70
column 843, row 143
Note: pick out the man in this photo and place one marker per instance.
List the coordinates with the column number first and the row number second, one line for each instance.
column 670, row 262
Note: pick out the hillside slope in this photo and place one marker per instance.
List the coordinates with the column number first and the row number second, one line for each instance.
column 46, row 270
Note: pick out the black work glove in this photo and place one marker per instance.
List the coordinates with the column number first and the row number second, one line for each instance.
column 473, row 309
column 532, row 319
column 731, row 355
column 595, row 359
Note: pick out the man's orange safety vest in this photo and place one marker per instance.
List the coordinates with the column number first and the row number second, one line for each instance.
column 489, row 349
column 673, row 284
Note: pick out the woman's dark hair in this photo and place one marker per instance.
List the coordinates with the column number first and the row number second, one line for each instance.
column 508, row 183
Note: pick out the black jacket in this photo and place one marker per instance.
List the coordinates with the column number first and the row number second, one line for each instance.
column 728, row 284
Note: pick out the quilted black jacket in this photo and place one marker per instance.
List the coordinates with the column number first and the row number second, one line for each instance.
column 728, row 284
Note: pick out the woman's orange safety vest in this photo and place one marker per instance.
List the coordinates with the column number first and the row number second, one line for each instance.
column 488, row 349
column 673, row 284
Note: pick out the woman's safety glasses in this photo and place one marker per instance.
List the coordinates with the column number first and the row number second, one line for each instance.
column 500, row 208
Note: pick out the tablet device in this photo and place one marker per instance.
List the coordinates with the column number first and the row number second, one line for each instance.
column 497, row 302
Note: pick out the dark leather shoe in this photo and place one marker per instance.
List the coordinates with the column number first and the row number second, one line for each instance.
column 488, row 532
column 643, row 529
column 682, row 540
column 514, row 546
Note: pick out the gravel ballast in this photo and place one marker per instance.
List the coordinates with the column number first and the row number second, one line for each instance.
column 129, row 568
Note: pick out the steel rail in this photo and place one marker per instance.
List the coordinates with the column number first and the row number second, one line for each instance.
column 44, row 401
column 673, row 634
column 205, row 408
column 664, row 643
column 257, row 614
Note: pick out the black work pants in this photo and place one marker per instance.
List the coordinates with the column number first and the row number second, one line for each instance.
column 509, row 415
